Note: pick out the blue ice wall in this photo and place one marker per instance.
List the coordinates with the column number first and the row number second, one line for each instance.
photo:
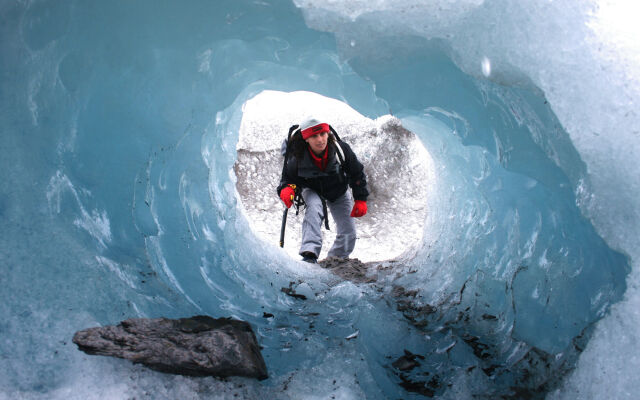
column 119, row 122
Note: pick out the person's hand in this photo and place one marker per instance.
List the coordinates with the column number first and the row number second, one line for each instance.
column 286, row 195
column 359, row 208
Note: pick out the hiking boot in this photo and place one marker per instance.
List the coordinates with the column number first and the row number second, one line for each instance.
column 309, row 257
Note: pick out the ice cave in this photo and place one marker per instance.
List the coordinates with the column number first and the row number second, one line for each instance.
column 140, row 156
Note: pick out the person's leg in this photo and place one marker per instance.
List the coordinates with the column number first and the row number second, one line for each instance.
column 312, row 223
column 345, row 226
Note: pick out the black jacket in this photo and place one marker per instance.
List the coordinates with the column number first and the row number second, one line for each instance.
column 333, row 181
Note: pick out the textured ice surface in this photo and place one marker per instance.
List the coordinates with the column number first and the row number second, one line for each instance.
column 120, row 129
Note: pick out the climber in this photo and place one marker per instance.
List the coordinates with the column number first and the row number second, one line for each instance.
column 319, row 168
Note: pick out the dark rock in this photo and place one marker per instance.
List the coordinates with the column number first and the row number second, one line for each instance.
column 399, row 291
column 351, row 269
column 481, row 350
column 420, row 387
column 411, row 309
column 196, row 346
column 407, row 362
column 290, row 291
column 489, row 371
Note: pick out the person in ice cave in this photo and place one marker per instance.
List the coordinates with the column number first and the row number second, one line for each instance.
column 318, row 169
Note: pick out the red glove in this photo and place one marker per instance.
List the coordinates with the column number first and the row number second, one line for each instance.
column 286, row 194
column 359, row 208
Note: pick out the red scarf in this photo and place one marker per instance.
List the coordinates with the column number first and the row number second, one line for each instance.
column 320, row 162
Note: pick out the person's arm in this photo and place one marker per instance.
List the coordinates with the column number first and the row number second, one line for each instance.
column 286, row 188
column 357, row 181
column 355, row 170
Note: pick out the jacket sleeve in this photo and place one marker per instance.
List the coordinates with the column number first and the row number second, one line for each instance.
column 355, row 171
column 286, row 176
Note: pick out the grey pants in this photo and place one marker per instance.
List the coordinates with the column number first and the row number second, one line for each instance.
column 312, row 224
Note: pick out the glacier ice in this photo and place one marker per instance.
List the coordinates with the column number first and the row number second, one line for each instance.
column 120, row 131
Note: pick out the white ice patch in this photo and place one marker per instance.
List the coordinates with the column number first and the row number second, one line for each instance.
column 34, row 87
column 486, row 67
column 118, row 270
column 95, row 223
column 192, row 209
column 205, row 61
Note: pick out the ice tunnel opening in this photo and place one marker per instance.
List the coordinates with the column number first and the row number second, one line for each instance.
column 399, row 169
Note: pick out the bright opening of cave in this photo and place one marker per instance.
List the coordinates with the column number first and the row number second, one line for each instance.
column 399, row 170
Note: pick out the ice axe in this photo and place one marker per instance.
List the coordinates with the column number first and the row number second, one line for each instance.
column 284, row 225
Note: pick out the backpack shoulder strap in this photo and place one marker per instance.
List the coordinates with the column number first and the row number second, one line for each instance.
column 335, row 133
column 339, row 150
column 292, row 131
column 340, row 153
